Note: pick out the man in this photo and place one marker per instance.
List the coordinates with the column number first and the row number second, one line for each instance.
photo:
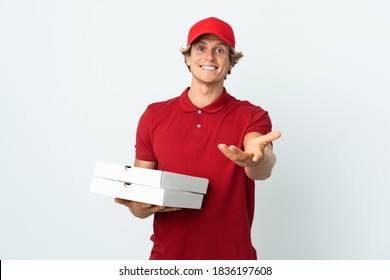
column 190, row 134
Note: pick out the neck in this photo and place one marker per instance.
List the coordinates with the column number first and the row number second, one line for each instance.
column 203, row 95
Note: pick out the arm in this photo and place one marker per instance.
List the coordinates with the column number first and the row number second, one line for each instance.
column 139, row 209
column 257, row 158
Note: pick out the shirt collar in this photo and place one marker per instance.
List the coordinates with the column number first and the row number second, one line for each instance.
column 214, row 107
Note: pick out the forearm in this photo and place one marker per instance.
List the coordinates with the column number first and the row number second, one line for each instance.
column 262, row 170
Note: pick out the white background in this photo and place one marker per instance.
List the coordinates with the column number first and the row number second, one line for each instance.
column 75, row 76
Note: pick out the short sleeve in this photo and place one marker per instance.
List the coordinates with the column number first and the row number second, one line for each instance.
column 261, row 122
column 144, row 144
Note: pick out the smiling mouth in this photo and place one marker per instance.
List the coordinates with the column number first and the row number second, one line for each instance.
column 208, row 67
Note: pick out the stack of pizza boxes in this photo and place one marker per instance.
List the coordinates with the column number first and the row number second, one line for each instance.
column 150, row 186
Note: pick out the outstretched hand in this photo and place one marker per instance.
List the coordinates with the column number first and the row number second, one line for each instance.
column 254, row 145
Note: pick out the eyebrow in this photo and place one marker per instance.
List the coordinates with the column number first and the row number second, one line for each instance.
column 204, row 43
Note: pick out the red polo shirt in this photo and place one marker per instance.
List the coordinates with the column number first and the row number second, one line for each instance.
column 183, row 138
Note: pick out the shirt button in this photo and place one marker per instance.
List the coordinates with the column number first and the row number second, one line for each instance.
column 198, row 125
column 199, row 112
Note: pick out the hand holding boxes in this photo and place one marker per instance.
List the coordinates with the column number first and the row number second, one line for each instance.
column 148, row 185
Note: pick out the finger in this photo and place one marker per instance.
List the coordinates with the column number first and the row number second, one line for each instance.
column 238, row 153
column 230, row 154
column 122, row 201
column 118, row 200
column 240, row 156
column 263, row 141
column 169, row 209
column 145, row 210
column 271, row 136
column 222, row 147
column 234, row 153
column 225, row 150
column 154, row 209
column 130, row 203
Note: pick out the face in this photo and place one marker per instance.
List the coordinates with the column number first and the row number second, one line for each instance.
column 209, row 60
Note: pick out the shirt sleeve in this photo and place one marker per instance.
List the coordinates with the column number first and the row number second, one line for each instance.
column 261, row 122
column 144, row 141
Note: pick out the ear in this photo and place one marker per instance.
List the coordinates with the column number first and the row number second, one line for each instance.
column 186, row 59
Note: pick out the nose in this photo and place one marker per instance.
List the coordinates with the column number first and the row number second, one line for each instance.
column 209, row 55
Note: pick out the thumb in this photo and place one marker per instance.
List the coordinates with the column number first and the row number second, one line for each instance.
column 271, row 136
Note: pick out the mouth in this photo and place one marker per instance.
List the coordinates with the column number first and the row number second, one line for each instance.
column 208, row 67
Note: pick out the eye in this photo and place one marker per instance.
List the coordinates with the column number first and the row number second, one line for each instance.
column 200, row 49
column 219, row 50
